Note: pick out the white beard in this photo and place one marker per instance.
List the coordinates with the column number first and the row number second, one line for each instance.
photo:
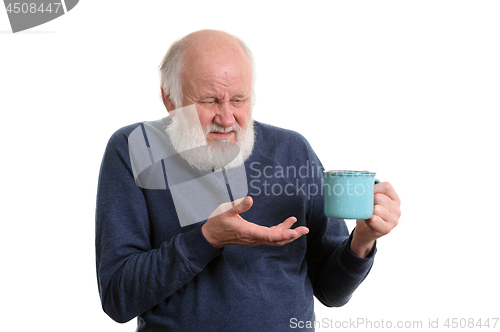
column 189, row 139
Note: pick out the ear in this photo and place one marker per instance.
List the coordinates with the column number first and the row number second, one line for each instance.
column 167, row 102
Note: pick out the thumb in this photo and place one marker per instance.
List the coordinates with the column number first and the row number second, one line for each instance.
column 243, row 204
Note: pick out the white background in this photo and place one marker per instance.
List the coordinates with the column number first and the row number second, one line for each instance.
column 408, row 89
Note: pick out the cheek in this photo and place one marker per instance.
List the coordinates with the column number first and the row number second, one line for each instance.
column 242, row 117
column 206, row 118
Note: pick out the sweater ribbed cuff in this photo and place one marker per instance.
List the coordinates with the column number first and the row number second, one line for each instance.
column 355, row 264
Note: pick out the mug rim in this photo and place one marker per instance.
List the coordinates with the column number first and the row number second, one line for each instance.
column 348, row 172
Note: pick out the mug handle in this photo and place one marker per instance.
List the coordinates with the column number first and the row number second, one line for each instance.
column 377, row 181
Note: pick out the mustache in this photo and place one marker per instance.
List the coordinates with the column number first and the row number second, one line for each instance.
column 221, row 129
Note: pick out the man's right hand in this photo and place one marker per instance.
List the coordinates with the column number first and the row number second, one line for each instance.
column 225, row 226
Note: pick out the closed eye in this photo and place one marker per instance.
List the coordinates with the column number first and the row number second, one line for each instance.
column 238, row 101
column 209, row 101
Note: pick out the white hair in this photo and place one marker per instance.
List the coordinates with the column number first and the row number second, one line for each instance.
column 173, row 63
column 171, row 70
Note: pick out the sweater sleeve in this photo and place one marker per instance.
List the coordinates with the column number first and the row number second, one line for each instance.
column 334, row 270
column 132, row 275
column 340, row 273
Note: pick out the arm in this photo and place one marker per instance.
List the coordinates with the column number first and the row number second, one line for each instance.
column 334, row 269
column 349, row 263
column 132, row 276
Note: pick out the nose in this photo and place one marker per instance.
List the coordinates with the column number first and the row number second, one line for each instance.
column 225, row 116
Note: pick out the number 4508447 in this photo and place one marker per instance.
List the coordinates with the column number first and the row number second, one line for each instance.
column 27, row 8
column 470, row 323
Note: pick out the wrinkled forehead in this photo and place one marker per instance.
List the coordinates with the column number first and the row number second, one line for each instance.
column 216, row 58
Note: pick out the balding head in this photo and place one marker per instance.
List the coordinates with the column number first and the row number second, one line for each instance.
column 194, row 51
column 214, row 42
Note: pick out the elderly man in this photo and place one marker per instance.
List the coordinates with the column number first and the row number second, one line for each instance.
column 188, row 235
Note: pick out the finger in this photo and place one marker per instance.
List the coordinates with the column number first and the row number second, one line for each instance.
column 299, row 231
column 387, row 189
column 384, row 213
column 378, row 226
column 242, row 205
column 388, row 203
column 286, row 224
column 270, row 236
column 302, row 230
column 382, row 221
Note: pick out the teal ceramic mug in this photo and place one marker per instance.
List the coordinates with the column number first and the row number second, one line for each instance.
column 349, row 194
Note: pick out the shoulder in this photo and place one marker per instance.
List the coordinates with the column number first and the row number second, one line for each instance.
column 269, row 133
column 271, row 139
column 122, row 135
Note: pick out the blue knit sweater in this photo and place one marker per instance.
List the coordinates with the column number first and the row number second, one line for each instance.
column 172, row 279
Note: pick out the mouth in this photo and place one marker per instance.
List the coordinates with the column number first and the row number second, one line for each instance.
column 221, row 135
